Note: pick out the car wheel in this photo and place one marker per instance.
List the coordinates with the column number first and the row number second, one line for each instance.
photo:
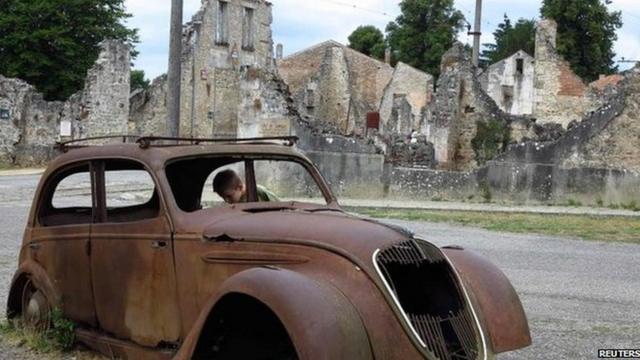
column 35, row 307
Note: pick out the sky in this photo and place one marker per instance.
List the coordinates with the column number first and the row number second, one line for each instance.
column 298, row 24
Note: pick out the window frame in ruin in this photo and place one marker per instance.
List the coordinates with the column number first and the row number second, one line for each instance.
column 222, row 23
column 248, row 28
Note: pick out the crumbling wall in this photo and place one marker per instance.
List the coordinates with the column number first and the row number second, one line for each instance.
column 105, row 99
column 408, row 93
column 337, row 86
column 510, row 83
column 459, row 105
column 220, row 46
column 617, row 146
column 148, row 115
column 560, row 95
column 30, row 125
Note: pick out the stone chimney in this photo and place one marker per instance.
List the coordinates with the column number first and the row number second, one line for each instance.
column 546, row 33
column 279, row 51
column 387, row 55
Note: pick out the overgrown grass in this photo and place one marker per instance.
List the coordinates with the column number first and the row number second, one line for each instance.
column 60, row 337
column 602, row 228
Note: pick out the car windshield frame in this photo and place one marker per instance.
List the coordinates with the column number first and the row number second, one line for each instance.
column 246, row 158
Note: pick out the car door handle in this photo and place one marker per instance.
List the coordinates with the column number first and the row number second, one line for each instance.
column 158, row 244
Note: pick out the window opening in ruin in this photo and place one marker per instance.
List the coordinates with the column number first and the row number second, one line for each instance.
column 519, row 66
column 5, row 114
column 247, row 29
column 222, row 24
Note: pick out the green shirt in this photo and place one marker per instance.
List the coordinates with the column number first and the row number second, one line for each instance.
column 264, row 195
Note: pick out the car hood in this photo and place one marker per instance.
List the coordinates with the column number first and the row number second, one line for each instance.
column 357, row 236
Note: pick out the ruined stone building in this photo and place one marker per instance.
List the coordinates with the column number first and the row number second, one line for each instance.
column 339, row 86
column 229, row 86
column 543, row 88
column 29, row 125
column 510, row 82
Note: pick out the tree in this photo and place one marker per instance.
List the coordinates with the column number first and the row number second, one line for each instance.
column 368, row 40
column 138, row 80
column 52, row 43
column 510, row 39
column 586, row 34
column 423, row 32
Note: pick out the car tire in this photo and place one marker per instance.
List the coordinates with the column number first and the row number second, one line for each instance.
column 36, row 311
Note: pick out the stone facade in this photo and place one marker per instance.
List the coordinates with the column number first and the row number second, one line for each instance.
column 510, row 83
column 227, row 67
column 405, row 99
column 338, row 86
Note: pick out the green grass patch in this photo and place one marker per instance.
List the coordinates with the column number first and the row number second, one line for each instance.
column 601, row 228
column 60, row 337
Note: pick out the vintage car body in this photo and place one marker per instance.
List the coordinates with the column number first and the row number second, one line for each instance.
column 250, row 280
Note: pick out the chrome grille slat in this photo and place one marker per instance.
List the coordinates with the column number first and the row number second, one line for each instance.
column 447, row 335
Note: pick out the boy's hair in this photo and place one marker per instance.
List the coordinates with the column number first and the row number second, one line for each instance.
column 225, row 180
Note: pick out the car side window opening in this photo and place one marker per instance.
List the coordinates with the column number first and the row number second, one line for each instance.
column 130, row 192
column 67, row 200
column 193, row 182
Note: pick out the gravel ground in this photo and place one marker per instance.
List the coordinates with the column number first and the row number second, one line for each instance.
column 579, row 296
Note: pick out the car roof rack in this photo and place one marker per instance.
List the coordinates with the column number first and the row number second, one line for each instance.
column 165, row 141
column 64, row 146
column 147, row 141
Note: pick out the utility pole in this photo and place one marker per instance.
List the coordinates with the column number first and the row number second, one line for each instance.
column 175, row 70
column 477, row 32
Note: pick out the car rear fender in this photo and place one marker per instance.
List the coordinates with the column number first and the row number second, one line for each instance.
column 29, row 269
column 320, row 320
column 499, row 306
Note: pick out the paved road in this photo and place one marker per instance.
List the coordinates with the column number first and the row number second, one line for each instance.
column 579, row 296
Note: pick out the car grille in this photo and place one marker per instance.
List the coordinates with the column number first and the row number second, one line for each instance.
column 426, row 290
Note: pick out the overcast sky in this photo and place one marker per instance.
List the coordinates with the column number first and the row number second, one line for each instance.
column 298, row 24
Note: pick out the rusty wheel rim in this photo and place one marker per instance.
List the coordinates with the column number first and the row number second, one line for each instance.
column 35, row 308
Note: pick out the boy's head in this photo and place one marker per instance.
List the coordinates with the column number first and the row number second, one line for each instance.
column 228, row 185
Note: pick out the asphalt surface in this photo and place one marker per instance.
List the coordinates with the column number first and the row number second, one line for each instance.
column 579, row 296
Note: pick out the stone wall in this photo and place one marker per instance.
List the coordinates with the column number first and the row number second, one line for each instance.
column 337, row 86
column 510, row 83
column 30, row 125
column 405, row 99
column 560, row 95
column 104, row 102
column 148, row 114
column 227, row 47
column 459, row 105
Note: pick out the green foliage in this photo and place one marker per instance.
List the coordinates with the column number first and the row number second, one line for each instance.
column 509, row 39
column 368, row 40
column 423, row 32
column 492, row 138
column 485, row 192
column 586, row 34
column 62, row 331
column 574, row 202
column 138, row 80
column 52, row 43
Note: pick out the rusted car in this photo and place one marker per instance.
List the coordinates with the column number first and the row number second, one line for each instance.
column 142, row 256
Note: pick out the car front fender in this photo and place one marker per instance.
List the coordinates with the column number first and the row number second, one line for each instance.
column 30, row 270
column 319, row 319
column 500, row 308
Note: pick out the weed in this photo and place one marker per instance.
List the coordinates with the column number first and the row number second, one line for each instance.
column 599, row 202
column 59, row 337
column 486, row 194
column 574, row 202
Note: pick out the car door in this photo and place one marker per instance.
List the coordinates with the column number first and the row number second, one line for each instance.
column 61, row 238
column 132, row 257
